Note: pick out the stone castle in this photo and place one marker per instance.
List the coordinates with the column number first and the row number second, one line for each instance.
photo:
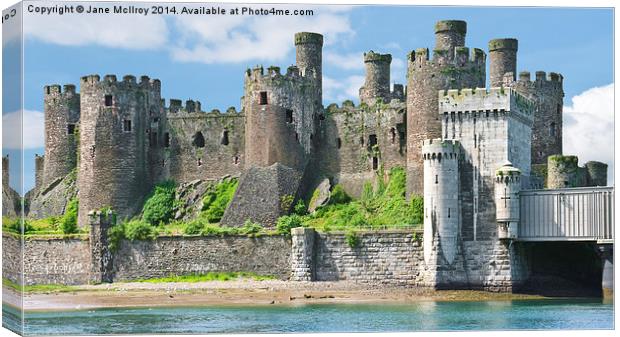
column 123, row 139
column 466, row 149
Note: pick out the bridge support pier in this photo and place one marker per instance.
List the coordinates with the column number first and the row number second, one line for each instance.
column 606, row 252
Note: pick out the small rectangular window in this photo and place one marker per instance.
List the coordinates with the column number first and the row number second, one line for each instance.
column 372, row 140
column 153, row 139
column 263, row 98
column 108, row 100
column 338, row 142
column 127, row 125
column 70, row 129
column 224, row 140
column 375, row 163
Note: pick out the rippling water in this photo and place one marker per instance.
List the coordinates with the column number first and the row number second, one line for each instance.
column 420, row 316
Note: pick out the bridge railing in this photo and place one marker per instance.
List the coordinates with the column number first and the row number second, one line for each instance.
column 578, row 214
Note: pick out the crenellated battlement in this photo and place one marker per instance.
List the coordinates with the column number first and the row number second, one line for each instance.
column 438, row 149
column 128, row 81
column 371, row 56
column 481, row 100
column 541, row 77
column 273, row 75
column 461, row 56
column 56, row 89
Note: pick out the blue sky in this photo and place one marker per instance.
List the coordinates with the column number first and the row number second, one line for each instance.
column 203, row 57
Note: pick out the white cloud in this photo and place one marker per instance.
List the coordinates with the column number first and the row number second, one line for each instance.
column 107, row 30
column 589, row 126
column 234, row 39
column 337, row 91
column 33, row 130
column 351, row 61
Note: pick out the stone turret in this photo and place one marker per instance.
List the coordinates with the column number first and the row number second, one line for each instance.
column 507, row 188
column 451, row 67
column 377, row 84
column 441, row 197
column 597, row 173
column 119, row 141
column 309, row 56
column 503, row 60
column 62, row 114
column 562, row 171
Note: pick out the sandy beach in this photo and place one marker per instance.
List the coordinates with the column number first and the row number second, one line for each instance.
column 238, row 292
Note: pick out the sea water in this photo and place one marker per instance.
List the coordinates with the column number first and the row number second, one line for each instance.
column 418, row 316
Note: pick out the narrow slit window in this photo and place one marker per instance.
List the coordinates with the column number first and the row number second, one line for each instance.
column 393, row 135
column 108, row 100
column 338, row 142
column 225, row 138
column 375, row 163
column 262, row 100
column 436, row 179
column 153, row 139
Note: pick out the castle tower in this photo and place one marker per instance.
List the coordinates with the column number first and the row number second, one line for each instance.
column 118, row 139
column 452, row 67
column 5, row 170
column 309, row 56
column 377, row 84
column 441, row 198
column 562, row 171
column 62, row 114
column 548, row 95
column 503, row 60
column 507, row 188
column 597, row 173
column 450, row 34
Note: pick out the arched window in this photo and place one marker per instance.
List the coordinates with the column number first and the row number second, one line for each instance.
column 199, row 140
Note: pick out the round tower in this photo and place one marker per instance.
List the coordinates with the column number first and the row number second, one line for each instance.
column 507, row 188
column 450, row 34
column 451, row 67
column 597, row 173
column 309, row 55
column 547, row 93
column 118, row 139
column 377, row 84
column 62, row 114
column 562, row 171
column 502, row 60
column 441, row 197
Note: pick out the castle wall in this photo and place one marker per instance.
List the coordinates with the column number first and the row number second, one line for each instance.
column 222, row 152
column 120, row 139
column 62, row 113
column 347, row 152
column 265, row 255
column 452, row 67
column 46, row 260
column 547, row 94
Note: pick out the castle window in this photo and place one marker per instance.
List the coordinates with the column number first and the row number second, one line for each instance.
column 448, row 212
column 362, row 140
column 70, row 129
column 263, row 98
column 166, row 139
column 199, row 162
column 199, row 140
column 559, row 109
column 375, row 163
column 224, row 138
column 289, row 116
column 338, row 142
column 393, row 134
column 372, row 140
column 236, row 160
column 108, row 100
column 436, row 179
column 552, row 130
column 127, row 125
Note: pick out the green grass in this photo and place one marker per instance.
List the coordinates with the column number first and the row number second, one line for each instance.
column 384, row 206
column 38, row 288
column 159, row 207
column 47, row 226
column 210, row 276
column 217, row 198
